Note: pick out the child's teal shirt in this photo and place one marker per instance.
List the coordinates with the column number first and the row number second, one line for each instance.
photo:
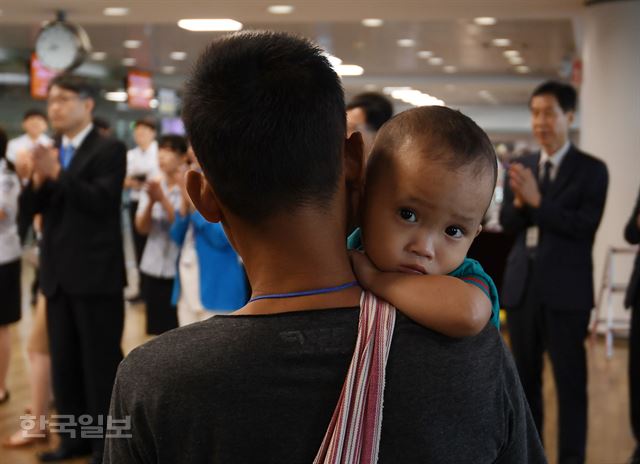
column 470, row 271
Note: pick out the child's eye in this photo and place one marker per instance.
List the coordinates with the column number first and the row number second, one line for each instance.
column 454, row 232
column 408, row 215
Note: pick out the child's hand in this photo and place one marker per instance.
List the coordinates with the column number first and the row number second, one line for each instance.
column 364, row 269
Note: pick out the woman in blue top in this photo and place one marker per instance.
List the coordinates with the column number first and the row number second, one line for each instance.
column 210, row 277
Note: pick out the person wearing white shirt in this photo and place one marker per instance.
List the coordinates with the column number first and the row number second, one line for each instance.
column 34, row 124
column 142, row 165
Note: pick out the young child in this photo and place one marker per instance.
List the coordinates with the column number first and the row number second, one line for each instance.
column 428, row 184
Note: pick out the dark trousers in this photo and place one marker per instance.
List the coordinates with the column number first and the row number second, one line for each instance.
column 534, row 329
column 84, row 340
column 139, row 240
column 161, row 314
column 634, row 370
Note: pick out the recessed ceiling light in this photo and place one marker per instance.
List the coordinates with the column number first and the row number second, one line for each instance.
column 424, row 54
column 406, row 43
column 372, row 22
column 522, row 69
column 117, row 96
column 203, row 25
column 349, row 70
column 98, row 56
column 115, row 11
column 501, row 42
column 485, row 21
column 280, row 9
column 178, row 56
column 129, row 61
column 450, row 69
column 168, row 69
column 435, row 61
column 333, row 60
column 515, row 60
column 511, row 53
column 131, row 43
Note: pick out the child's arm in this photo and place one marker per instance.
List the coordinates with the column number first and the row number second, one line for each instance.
column 442, row 303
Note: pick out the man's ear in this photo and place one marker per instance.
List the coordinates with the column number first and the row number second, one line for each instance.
column 570, row 117
column 203, row 196
column 354, row 158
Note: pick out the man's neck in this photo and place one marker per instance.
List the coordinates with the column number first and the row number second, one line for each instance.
column 72, row 133
column 551, row 150
column 297, row 255
column 34, row 138
column 145, row 147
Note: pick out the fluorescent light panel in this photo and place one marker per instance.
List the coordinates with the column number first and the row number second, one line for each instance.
column 204, row 25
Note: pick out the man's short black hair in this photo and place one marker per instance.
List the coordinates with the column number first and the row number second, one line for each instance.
column 377, row 108
column 565, row 94
column 264, row 112
column 34, row 112
column 75, row 84
column 174, row 143
column 447, row 136
column 147, row 122
column 101, row 123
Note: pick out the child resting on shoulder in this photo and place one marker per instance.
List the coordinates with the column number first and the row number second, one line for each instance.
column 429, row 182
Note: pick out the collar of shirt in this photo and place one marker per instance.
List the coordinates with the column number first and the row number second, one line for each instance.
column 151, row 149
column 78, row 139
column 555, row 158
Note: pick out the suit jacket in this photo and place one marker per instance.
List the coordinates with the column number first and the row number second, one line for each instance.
column 632, row 235
column 568, row 218
column 81, row 250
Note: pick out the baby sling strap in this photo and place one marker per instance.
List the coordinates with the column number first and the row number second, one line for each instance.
column 353, row 435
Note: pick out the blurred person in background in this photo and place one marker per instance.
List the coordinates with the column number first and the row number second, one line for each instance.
column 34, row 124
column 10, row 254
column 553, row 203
column 77, row 187
column 142, row 165
column 366, row 113
column 103, row 125
column 210, row 278
column 632, row 300
column 159, row 201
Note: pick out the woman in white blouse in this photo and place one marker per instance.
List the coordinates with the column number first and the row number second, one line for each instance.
column 156, row 212
column 10, row 253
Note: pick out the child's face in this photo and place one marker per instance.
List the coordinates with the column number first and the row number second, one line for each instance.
column 419, row 216
column 168, row 161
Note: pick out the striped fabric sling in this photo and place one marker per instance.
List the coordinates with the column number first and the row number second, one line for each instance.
column 353, row 436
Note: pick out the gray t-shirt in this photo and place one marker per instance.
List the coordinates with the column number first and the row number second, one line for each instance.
column 262, row 389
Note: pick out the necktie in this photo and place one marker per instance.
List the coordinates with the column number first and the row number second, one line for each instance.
column 66, row 154
column 546, row 177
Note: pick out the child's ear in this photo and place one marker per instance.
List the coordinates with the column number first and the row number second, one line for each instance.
column 478, row 231
column 203, row 196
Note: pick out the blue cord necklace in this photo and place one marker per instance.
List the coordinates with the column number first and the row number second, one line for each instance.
column 317, row 291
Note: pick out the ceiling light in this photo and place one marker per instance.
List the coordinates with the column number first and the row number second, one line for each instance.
column 485, row 21
column 333, row 60
column 424, row 54
column 201, row 25
column 131, row 43
column 178, row 56
column 406, row 43
column 129, row 61
column 450, row 69
column 98, row 56
column 280, row 9
column 516, row 60
column 372, row 22
column 349, row 70
column 511, row 53
column 168, row 69
column 522, row 69
column 115, row 11
column 502, row 42
column 370, row 87
column 117, row 96
column 390, row 90
column 435, row 61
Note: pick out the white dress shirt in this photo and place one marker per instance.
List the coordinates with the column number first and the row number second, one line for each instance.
column 10, row 248
column 142, row 163
column 555, row 159
column 25, row 143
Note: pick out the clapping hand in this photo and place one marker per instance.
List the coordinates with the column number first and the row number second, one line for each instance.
column 154, row 189
column 524, row 186
column 45, row 163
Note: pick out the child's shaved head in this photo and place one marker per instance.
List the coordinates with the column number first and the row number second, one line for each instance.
column 442, row 135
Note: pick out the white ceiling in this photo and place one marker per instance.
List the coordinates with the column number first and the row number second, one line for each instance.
column 541, row 30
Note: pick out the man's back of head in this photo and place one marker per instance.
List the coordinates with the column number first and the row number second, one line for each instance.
column 265, row 115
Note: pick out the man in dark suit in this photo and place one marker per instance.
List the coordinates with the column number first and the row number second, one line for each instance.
column 77, row 188
column 632, row 300
column 553, row 203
